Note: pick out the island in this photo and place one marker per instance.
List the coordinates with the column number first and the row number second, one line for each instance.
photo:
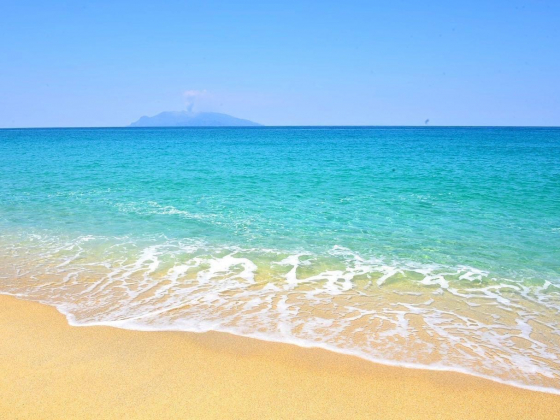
column 192, row 119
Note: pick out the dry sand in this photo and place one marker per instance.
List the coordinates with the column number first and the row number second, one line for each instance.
column 49, row 370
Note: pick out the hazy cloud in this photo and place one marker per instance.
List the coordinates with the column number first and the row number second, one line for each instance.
column 193, row 97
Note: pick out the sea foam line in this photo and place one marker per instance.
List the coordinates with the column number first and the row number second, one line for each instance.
column 136, row 279
column 131, row 326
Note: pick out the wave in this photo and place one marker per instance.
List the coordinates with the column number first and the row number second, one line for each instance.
column 400, row 313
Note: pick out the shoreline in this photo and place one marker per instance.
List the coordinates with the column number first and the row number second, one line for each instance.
column 53, row 370
column 306, row 345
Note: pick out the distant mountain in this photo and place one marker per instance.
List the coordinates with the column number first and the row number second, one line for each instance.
column 192, row 119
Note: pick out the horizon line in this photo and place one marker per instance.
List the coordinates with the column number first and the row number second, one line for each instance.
column 281, row 126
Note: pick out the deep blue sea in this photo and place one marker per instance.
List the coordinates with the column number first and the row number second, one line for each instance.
column 423, row 247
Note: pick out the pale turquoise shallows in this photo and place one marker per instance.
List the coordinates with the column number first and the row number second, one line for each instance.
column 425, row 247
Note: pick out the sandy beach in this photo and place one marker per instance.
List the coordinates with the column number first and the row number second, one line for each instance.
column 51, row 370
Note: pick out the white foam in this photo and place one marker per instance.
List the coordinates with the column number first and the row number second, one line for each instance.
column 163, row 284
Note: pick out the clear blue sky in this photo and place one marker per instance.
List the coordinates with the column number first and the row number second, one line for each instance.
column 106, row 63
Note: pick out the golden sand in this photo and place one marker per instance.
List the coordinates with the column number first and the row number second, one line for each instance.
column 49, row 370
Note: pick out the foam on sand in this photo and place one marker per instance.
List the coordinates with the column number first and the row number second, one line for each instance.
column 51, row 371
column 398, row 313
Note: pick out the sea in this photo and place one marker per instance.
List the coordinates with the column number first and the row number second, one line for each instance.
column 423, row 247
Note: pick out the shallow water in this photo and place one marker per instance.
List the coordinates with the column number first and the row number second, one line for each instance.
column 424, row 247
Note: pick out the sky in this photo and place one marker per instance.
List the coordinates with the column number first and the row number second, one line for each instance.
column 107, row 63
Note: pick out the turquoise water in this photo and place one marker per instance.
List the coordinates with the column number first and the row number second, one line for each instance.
column 425, row 247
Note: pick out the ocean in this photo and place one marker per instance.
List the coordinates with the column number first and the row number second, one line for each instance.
column 435, row 248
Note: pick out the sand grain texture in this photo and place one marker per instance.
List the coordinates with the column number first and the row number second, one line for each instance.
column 50, row 370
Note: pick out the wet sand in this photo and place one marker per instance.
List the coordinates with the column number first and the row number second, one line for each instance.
column 50, row 370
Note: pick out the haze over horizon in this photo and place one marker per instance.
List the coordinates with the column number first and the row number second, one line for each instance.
column 108, row 64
